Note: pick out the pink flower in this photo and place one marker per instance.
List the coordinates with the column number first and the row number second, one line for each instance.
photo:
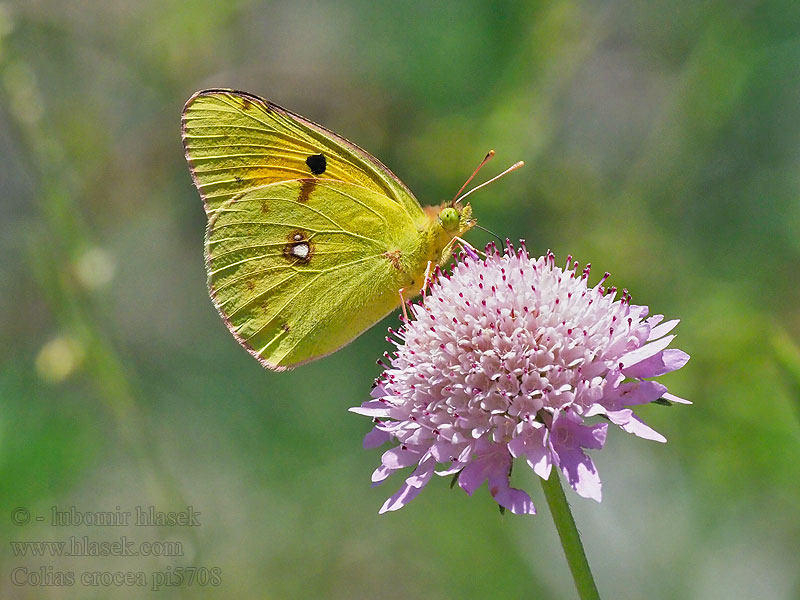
column 506, row 358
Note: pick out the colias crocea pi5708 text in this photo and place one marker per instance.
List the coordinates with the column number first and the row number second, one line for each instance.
column 309, row 238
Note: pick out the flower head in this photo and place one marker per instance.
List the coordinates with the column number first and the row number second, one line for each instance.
column 507, row 358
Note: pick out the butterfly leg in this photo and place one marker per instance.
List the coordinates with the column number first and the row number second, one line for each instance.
column 403, row 304
column 427, row 279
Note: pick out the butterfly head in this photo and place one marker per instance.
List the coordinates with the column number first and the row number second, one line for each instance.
column 455, row 219
column 447, row 223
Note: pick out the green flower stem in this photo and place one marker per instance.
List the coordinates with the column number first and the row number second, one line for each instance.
column 570, row 538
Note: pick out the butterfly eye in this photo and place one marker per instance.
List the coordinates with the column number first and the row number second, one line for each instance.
column 449, row 218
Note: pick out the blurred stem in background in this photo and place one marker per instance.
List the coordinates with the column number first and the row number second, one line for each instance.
column 70, row 268
column 787, row 355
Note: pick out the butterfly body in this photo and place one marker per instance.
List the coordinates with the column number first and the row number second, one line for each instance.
column 309, row 239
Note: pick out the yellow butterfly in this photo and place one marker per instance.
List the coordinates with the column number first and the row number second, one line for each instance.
column 310, row 239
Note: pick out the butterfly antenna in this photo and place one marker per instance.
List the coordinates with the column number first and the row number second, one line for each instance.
column 490, row 232
column 486, row 158
column 513, row 167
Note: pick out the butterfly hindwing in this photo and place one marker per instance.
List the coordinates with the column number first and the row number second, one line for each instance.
column 299, row 268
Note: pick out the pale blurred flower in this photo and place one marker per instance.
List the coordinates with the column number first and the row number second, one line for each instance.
column 59, row 357
column 507, row 358
column 95, row 268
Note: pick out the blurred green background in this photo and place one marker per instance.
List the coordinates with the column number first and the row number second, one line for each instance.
column 662, row 143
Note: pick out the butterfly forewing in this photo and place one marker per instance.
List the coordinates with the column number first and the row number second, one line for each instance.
column 236, row 141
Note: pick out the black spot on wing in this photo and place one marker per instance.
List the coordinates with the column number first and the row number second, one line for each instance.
column 317, row 163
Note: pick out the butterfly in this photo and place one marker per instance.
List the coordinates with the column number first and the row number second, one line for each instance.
column 310, row 240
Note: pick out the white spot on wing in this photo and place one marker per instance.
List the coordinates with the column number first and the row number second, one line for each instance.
column 300, row 251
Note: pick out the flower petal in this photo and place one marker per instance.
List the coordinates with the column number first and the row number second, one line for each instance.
column 567, row 439
column 373, row 408
column 632, row 393
column 663, row 362
column 662, row 330
column 629, row 422
column 644, row 352
column 676, row 399
column 380, row 474
column 411, row 488
column 516, row 501
column 490, row 460
column 399, row 457
column 376, row 437
column 531, row 442
column 581, row 473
